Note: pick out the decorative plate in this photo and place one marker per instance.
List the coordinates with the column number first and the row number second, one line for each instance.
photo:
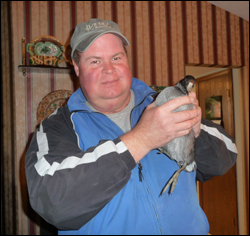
column 45, row 50
column 51, row 102
column 67, row 54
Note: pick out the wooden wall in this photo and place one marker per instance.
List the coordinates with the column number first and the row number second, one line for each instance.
column 164, row 36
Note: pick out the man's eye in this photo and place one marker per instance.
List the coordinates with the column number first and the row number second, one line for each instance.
column 94, row 62
column 116, row 58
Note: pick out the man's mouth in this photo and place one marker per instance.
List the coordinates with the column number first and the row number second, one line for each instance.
column 110, row 81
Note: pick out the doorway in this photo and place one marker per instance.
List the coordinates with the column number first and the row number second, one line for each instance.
column 218, row 196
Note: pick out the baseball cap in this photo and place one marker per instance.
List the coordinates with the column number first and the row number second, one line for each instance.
column 87, row 32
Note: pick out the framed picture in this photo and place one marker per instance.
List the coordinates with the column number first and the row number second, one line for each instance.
column 213, row 108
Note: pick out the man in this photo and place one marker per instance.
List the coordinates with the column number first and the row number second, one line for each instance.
column 81, row 163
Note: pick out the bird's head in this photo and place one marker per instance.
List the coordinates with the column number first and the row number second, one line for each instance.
column 186, row 84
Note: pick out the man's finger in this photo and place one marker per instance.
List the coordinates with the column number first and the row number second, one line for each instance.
column 192, row 94
column 183, row 132
column 186, row 115
column 177, row 102
column 186, row 124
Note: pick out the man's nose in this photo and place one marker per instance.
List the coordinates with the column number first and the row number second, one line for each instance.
column 108, row 67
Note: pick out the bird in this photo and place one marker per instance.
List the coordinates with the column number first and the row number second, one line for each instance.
column 180, row 149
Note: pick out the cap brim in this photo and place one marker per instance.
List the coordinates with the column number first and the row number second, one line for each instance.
column 85, row 44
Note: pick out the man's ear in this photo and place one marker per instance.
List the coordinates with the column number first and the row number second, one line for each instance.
column 76, row 67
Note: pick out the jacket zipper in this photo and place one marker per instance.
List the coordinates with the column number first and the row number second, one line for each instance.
column 141, row 177
column 157, row 218
column 154, row 209
column 139, row 163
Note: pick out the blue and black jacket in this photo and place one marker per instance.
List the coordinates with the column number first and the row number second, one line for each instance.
column 82, row 178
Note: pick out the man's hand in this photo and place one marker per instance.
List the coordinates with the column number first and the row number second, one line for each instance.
column 196, row 127
column 159, row 125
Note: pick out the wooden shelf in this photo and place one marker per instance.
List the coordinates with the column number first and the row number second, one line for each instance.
column 46, row 69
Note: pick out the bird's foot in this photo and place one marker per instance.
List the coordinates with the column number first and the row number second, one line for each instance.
column 173, row 180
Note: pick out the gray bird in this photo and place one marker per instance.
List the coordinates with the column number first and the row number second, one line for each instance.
column 181, row 149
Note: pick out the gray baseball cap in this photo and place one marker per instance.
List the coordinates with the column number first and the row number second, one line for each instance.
column 87, row 32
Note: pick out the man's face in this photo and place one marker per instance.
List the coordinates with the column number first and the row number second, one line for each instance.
column 104, row 74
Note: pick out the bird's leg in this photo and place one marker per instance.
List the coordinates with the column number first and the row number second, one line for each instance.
column 173, row 180
column 176, row 176
column 162, row 150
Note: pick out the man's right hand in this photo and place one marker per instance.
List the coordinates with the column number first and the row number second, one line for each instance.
column 159, row 125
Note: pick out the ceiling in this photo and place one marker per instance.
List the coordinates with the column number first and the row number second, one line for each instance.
column 239, row 8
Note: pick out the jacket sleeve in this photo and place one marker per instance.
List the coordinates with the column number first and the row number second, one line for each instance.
column 216, row 152
column 68, row 187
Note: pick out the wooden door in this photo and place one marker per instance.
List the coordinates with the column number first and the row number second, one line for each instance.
column 218, row 196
